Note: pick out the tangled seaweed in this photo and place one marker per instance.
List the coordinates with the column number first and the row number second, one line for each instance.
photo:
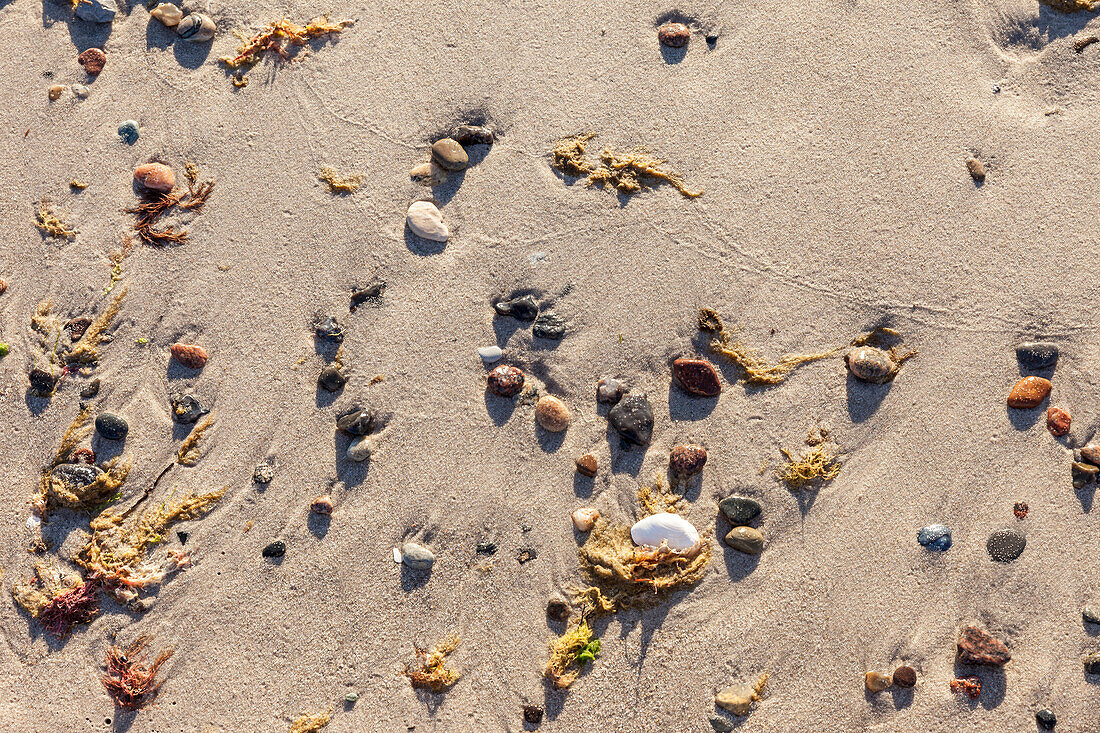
column 272, row 36
column 757, row 370
column 58, row 602
column 1072, row 6
column 47, row 222
column 816, row 465
column 307, row 723
column 129, row 682
column 627, row 171
column 189, row 453
column 563, row 667
column 890, row 341
column 340, row 184
column 431, row 671
column 53, row 492
column 155, row 205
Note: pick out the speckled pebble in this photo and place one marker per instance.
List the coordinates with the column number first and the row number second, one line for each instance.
column 111, row 426
column 417, row 557
column 263, row 473
column 361, row 449
column 1005, row 545
column 552, row 414
column 275, row 549
column 935, row 537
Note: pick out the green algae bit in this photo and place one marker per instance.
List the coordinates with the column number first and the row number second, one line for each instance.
column 4, row 349
column 589, row 653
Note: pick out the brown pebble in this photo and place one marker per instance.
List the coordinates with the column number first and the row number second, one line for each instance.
column 1090, row 453
column 3, row 286
column 55, row 92
column 155, row 177
column 970, row 686
column 1029, row 392
column 687, row 460
column 552, row 414
column 877, row 681
column 557, row 609
column 82, row 455
column 190, row 355
column 532, row 714
column 587, row 465
column 1058, row 421
column 322, row 505
column 77, row 326
column 977, row 170
column 697, row 377
column 905, row 677
column 506, row 381
column 673, row 35
column 92, row 60
column 1020, row 510
column 976, row 646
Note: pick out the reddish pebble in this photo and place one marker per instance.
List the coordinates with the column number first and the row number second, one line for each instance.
column 322, row 505
column 905, row 677
column 971, row 686
column 687, row 460
column 190, row 355
column 92, row 60
column 3, row 285
column 587, row 465
column 506, row 381
column 82, row 455
column 976, row 646
column 697, row 377
column 1029, row 392
column 1020, row 509
column 1058, row 421
column 155, row 177
column 673, row 35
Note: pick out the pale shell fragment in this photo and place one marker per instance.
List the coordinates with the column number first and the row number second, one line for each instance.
column 397, row 556
column 584, row 519
column 671, row 529
column 167, row 13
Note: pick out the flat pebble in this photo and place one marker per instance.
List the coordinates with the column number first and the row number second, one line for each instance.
column 870, row 364
column 486, row 548
column 1058, row 421
column 1046, row 719
column 557, row 609
column 76, row 475
column 687, row 460
column 1037, row 354
column 351, row 698
column 905, row 677
column 275, row 549
column 356, row 421
column 587, row 465
column 91, row 389
column 426, row 221
column 552, row 414
column 935, row 537
column 977, row 646
column 697, row 377
column 472, row 135
column 155, row 177
column 506, row 381
column 877, row 681
column 322, row 505
column 264, row 473
column 371, row 294
column 417, row 557
column 1091, row 454
column 549, row 325
column 1029, row 392
column 524, row 308
column 1005, row 545
column 96, row 11
column 93, row 60
column 720, row 724
column 327, row 328
column 185, row 408
column 1083, row 474
column 632, row 419
column 739, row 510
column 111, row 426
column 609, row 391
column 673, row 35
column 80, row 91
column 331, row 379
column 128, row 131
column 449, row 155
column 737, row 699
column 191, row 356
column 746, row 539
column 361, row 449
column 76, row 327
column 976, row 169
column 490, row 354
column 196, row 28
column 167, row 13
column 1090, row 615
column 428, row 174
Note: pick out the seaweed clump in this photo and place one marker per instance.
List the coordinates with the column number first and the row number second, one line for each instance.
column 86, row 350
column 129, row 682
column 307, row 723
column 58, row 602
column 54, row 491
column 1072, row 6
column 340, row 184
column 272, row 36
column 757, row 370
column 817, row 464
column 577, row 646
column 628, row 172
column 431, row 671
column 155, row 205
column 48, row 222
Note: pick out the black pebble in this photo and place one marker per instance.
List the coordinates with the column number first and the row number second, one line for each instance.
column 532, row 714
column 632, row 418
column 111, row 427
column 525, row 555
column 1037, row 354
column 185, row 408
column 524, row 308
column 712, row 40
column 184, row 536
column 1005, row 545
column 356, row 422
column 42, row 382
column 1046, row 719
column 549, row 325
column 275, row 549
column 328, row 328
column 331, row 379
column 486, row 548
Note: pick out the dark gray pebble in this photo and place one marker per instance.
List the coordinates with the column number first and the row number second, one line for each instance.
column 275, row 549
column 524, row 308
column 1037, row 354
column 526, row 555
column 1090, row 615
column 185, row 408
column 1092, row 663
column 549, row 325
column 183, row 536
column 91, row 389
column 331, row 379
column 1046, row 719
column 328, row 329
column 739, row 510
column 111, row 427
column 486, row 548
column 355, row 422
column 1083, row 474
column 371, row 294
column 1005, row 545
column 76, row 475
column 632, row 418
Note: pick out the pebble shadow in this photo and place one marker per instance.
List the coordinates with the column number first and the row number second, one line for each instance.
column 500, row 409
column 739, row 565
column 158, row 35
column 625, row 457
column 504, row 327
column 903, row 698
column 682, row 406
column 175, row 370
column 420, row 246
column 1085, row 495
column 446, row 191
column 350, row 472
column 84, row 34
column 583, row 486
column 325, row 398
column 864, row 398
column 37, row 405
column 191, row 55
column 1023, row 419
column 413, row 579
column 673, row 55
column 318, row 524
column 548, row 441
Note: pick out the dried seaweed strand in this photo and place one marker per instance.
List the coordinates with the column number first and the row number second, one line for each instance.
column 86, row 350
column 272, row 36
column 1072, row 6
column 307, row 723
column 189, row 453
column 50, row 224
column 816, row 464
column 340, row 184
column 155, row 205
column 129, row 682
column 627, row 171
column 431, row 671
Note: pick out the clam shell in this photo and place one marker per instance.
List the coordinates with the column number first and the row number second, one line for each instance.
column 672, row 529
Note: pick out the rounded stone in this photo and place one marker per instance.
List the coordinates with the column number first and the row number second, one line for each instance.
column 877, row 681
column 191, row 356
column 905, row 677
column 82, row 455
column 632, row 419
column 1058, row 421
column 426, row 221
column 1037, row 354
column 327, row 328
column 584, row 518
column 42, row 382
column 557, row 609
column 550, row 326
column 351, row 698
column 264, row 473
column 976, row 169
column 93, row 60
column 76, row 475
column 697, row 377
column 552, row 414
column 275, row 549
column 54, row 92
column 331, row 379
column 1005, row 545
column 357, row 421
column 1029, row 392
column 91, row 389
column 674, row 35
column 746, row 539
column 361, row 449
column 1091, row 454
column 587, row 465
column 1092, row 663
column 870, row 364
column 155, row 177
column 490, row 354
column 523, row 308
column 322, row 505
column 609, row 391
column 80, row 91
column 1046, row 719
column 739, row 510
column 1090, row 615
column 185, row 408
column 532, row 714
column 111, row 426
column 935, row 537
column 976, row 646
column 417, row 557
column 428, row 174
column 720, row 724
column 96, row 11
column 687, row 460
column 449, row 155
column 196, row 28
column 473, row 135
column 168, row 14
column 128, row 131
column 506, row 381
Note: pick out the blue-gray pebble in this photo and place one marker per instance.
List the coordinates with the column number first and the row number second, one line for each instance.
column 96, row 11
column 935, row 537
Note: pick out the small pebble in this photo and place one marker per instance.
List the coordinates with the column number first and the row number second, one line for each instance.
column 712, row 40
column 322, row 505
column 331, row 379
column 196, row 28
column 91, row 389
column 473, row 135
column 183, row 536
column 905, row 677
column 185, row 408
column 42, row 382
column 490, row 354
column 609, row 391
column 1046, row 719
column 935, row 537
column 327, row 328
column 128, row 131
column 976, row 646
column 1092, row 663
column 1005, row 545
column 155, row 177
column 532, row 714
column 739, row 510
column 275, row 549
column 526, row 555
column 552, row 414
column 1091, row 454
column 357, row 421
column 632, row 419
column 428, row 174
column 486, row 548
column 111, row 427
column 1083, row 474
column 877, row 681
column 557, row 609
column 976, row 169
column 189, row 355
column 96, row 11
column 1037, row 354
column 371, row 294
column 1058, row 421
column 449, row 155
column 524, row 308
column 584, row 519
column 506, row 381
column 673, row 35
column 746, row 539
column 360, row 449
column 426, row 221
column 1020, row 509
column 970, row 686
column 1090, row 615
column 869, row 364
column 550, row 326
column 1029, row 392
column 76, row 475
column 264, row 473
column 167, row 13
column 82, row 455
column 3, row 286
column 737, row 699
column 351, row 698
column 93, row 60
column 587, row 465
column 697, row 377
column 80, row 91
column 54, row 92
column 417, row 557
column 687, row 460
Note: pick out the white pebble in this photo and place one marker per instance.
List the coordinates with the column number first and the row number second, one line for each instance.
column 168, row 14
column 426, row 221
column 34, row 521
column 584, row 519
column 490, row 353
column 397, row 556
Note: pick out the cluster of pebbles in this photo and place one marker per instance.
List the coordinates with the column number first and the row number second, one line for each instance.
column 448, row 156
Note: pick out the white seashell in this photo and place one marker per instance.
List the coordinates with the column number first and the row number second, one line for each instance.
column 426, row 221
column 490, row 353
column 397, row 556
column 585, row 518
column 672, row 529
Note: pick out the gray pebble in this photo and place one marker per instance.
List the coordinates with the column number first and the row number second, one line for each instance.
column 472, row 135
column 632, row 418
column 524, row 308
column 355, row 422
column 417, row 557
column 720, row 724
column 76, row 475
column 1005, row 545
column 111, row 427
column 331, row 379
column 263, row 474
column 128, row 131
column 185, row 408
column 449, row 155
column 739, row 510
column 1037, row 354
column 549, row 325
column 609, row 391
column 96, row 11
column 360, row 449
column 328, row 329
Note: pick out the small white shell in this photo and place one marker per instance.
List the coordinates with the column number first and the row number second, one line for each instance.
column 168, row 14
column 397, row 556
column 426, row 221
column 672, row 529
column 489, row 354
column 584, row 519
column 34, row 521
